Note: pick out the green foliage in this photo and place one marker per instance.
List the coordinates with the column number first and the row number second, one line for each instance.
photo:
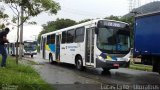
column 34, row 7
column 141, row 67
column 113, row 18
column 32, row 23
column 3, row 16
column 31, row 8
column 14, row 19
column 56, row 25
column 86, row 20
column 22, row 76
column 2, row 26
column 63, row 23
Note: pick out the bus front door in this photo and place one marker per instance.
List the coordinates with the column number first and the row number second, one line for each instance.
column 58, row 47
column 89, row 51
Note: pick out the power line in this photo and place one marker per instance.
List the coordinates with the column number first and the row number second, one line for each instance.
column 83, row 13
column 73, row 9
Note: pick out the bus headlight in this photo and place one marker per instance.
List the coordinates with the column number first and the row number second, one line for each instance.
column 24, row 51
column 35, row 51
column 101, row 58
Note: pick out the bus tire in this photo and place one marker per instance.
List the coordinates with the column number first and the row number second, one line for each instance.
column 50, row 58
column 105, row 70
column 32, row 56
column 127, row 64
column 79, row 63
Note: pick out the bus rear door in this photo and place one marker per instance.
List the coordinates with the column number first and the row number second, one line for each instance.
column 58, row 42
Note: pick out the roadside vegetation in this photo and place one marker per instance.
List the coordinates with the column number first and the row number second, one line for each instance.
column 20, row 77
column 140, row 67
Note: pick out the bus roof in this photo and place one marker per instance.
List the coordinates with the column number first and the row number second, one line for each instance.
column 80, row 25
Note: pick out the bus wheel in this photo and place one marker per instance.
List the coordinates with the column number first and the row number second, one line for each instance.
column 79, row 64
column 106, row 70
column 31, row 56
column 127, row 64
column 50, row 58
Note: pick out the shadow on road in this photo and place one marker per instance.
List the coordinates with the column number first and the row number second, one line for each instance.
column 92, row 71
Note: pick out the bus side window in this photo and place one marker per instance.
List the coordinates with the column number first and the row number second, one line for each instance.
column 64, row 37
column 52, row 39
column 70, row 36
column 79, row 34
column 48, row 39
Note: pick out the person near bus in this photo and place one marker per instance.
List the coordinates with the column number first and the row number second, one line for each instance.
column 3, row 40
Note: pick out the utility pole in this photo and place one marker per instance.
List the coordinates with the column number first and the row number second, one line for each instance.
column 130, row 5
column 17, row 41
column 21, row 34
column 134, row 4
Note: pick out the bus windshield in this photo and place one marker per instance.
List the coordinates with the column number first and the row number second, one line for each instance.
column 30, row 46
column 113, row 40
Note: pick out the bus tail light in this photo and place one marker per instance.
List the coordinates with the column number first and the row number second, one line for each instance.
column 116, row 65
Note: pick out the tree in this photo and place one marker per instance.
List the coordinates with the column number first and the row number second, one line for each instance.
column 56, row 25
column 3, row 17
column 113, row 17
column 63, row 23
column 86, row 20
column 24, row 9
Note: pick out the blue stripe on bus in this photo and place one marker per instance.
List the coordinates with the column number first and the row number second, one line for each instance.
column 52, row 47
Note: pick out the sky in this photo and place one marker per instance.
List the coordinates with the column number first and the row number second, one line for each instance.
column 79, row 10
column 89, row 9
column 30, row 32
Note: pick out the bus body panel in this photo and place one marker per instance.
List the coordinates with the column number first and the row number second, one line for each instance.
column 30, row 47
column 11, row 48
column 69, row 51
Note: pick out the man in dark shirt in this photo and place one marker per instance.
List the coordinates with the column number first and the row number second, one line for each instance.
column 3, row 40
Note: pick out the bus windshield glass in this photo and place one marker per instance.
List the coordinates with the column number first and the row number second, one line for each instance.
column 30, row 46
column 113, row 40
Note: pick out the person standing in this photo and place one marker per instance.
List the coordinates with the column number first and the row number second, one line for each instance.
column 3, row 40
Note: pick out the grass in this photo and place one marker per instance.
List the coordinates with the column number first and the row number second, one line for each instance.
column 141, row 67
column 22, row 77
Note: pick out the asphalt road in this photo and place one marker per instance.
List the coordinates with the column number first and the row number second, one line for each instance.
column 63, row 76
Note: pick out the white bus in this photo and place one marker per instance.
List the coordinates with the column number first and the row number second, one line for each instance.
column 98, row 43
column 11, row 48
column 30, row 48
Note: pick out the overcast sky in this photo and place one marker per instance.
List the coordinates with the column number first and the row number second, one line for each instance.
column 86, row 9
column 83, row 9
column 89, row 9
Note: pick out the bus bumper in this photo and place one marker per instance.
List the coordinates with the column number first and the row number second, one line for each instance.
column 30, row 53
column 109, row 64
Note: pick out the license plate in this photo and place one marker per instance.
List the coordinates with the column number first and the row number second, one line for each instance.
column 116, row 65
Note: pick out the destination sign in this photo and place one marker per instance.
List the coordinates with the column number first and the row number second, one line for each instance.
column 106, row 23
